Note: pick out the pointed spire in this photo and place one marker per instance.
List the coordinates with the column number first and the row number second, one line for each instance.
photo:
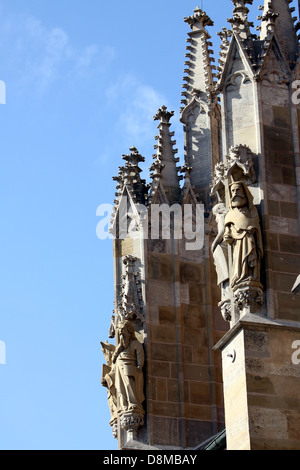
column 199, row 69
column 164, row 166
column 225, row 36
column 129, row 176
column 187, row 193
column 277, row 19
column 268, row 19
column 239, row 21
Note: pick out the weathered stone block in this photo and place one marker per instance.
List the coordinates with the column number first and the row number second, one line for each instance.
column 160, row 352
column 194, row 336
column 163, row 334
column 168, row 272
column 283, row 282
column 173, row 390
column 276, row 140
column 198, row 412
column 281, row 117
column 161, row 389
column 289, row 244
column 165, row 431
column 286, row 262
column 122, row 247
column 257, row 384
column 196, row 372
column 197, row 293
column 191, row 272
column 274, row 208
column 275, row 174
column 200, row 393
column 288, row 306
column 279, row 224
column 289, row 209
column 200, row 355
column 161, row 293
column 187, row 352
column 153, row 267
column 167, row 315
column 193, row 316
column 288, row 176
column 160, row 369
column 271, row 241
column 166, row 409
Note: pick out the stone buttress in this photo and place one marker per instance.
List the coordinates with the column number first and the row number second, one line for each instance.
column 260, row 118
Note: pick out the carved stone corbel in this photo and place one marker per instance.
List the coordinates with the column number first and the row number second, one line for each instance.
column 131, row 422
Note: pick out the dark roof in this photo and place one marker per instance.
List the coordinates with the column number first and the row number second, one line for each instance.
column 216, row 442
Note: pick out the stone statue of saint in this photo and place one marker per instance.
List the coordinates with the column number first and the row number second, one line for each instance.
column 128, row 359
column 243, row 233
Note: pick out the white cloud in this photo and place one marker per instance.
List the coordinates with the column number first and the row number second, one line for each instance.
column 136, row 104
column 41, row 55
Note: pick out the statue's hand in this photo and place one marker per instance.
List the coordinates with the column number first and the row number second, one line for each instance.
column 139, row 368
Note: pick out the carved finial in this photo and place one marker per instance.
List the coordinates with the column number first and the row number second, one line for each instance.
column 156, row 169
column 163, row 115
column 199, row 17
column 134, row 158
column 269, row 17
column 239, row 21
column 186, row 170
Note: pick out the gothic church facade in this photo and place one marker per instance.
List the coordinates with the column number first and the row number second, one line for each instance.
column 204, row 332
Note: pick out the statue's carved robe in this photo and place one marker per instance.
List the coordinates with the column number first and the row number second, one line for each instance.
column 108, row 375
column 242, row 225
column 219, row 248
column 128, row 379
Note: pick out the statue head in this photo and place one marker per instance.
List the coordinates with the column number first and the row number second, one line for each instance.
column 238, row 197
column 126, row 332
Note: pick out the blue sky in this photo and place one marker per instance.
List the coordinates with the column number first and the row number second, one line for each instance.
column 83, row 82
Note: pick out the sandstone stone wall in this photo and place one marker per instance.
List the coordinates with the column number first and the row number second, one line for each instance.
column 185, row 403
column 261, row 388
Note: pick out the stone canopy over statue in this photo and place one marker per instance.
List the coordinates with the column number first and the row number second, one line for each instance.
column 238, row 247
